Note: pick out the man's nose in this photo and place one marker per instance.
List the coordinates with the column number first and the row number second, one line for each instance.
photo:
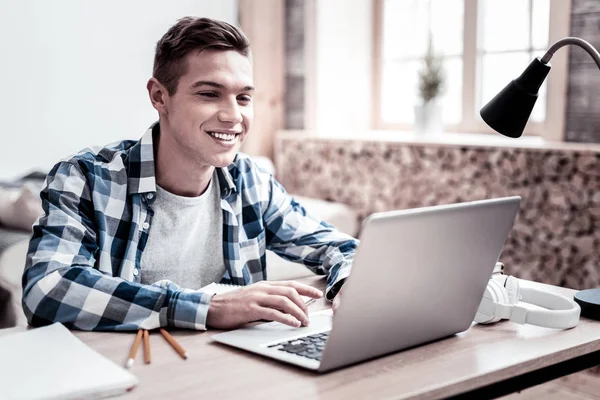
column 230, row 112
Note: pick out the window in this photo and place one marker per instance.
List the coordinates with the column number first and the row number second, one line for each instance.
column 484, row 44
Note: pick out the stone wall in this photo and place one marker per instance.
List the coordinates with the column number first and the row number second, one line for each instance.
column 556, row 237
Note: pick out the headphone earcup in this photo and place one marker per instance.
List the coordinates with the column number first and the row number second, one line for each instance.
column 512, row 288
column 494, row 293
column 510, row 285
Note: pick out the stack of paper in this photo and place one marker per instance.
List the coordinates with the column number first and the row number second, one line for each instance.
column 51, row 363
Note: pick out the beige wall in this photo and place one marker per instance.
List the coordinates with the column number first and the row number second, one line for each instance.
column 263, row 23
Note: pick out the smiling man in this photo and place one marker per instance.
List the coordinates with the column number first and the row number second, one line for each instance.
column 131, row 231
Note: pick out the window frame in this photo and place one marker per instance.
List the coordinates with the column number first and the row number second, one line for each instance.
column 552, row 128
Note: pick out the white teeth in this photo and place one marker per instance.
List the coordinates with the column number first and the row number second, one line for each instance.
column 227, row 137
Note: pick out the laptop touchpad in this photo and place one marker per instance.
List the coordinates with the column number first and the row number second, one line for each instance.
column 320, row 322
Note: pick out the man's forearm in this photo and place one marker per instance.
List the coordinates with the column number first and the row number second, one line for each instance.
column 83, row 298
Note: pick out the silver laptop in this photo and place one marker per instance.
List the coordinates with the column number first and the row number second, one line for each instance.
column 418, row 276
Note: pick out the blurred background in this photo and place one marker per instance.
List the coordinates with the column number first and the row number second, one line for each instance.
column 361, row 106
column 74, row 72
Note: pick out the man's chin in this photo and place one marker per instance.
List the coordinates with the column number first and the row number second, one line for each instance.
column 225, row 161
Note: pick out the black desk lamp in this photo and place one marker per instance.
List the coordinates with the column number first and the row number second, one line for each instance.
column 508, row 112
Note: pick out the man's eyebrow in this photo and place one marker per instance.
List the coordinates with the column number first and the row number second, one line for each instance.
column 218, row 85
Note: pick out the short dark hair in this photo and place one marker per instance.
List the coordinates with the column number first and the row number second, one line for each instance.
column 193, row 34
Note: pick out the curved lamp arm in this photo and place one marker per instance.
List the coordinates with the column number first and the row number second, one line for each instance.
column 572, row 40
column 588, row 300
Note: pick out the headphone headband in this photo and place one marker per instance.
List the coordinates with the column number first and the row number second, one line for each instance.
column 559, row 312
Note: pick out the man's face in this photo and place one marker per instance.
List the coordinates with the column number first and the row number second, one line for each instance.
column 209, row 115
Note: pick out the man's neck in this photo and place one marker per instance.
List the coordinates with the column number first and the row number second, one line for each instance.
column 176, row 173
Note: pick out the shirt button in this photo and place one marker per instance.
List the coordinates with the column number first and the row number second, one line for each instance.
column 150, row 196
column 136, row 272
column 146, row 225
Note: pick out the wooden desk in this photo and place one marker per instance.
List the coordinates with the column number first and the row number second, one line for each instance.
column 483, row 362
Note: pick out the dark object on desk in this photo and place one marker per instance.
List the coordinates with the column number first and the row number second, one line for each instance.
column 589, row 301
column 507, row 113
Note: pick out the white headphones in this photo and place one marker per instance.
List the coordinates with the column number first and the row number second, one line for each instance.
column 503, row 293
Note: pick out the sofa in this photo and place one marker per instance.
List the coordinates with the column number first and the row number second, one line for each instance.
column 12, row 261
column 19, row 208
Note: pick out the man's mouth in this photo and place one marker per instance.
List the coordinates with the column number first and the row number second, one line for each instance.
column 224, row 136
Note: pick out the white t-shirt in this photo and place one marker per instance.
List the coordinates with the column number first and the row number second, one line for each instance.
column 185, row 243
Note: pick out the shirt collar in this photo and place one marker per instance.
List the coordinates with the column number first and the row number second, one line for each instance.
column 226, row 181
column 141, row 177
column 141, row 172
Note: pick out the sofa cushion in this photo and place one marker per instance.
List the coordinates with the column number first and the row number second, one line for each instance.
column 19, row 208
column 344, row 218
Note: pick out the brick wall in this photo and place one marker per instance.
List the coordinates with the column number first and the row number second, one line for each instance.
column 295, row 67
column 583, row 99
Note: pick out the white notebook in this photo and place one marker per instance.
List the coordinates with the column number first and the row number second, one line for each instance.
column 220, row 288
column 51, row 363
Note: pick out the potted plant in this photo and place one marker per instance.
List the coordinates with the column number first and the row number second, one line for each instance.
column 428, row 114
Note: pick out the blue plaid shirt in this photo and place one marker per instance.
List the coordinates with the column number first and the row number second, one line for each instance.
column 83, row 264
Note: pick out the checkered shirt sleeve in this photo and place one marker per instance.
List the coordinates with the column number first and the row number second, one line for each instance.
column 298, row 236
column 62, row 284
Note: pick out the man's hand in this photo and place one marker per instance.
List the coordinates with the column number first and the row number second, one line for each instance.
column 272, row 301
column 336, row 300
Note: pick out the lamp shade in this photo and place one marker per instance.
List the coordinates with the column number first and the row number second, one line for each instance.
column 507, row 113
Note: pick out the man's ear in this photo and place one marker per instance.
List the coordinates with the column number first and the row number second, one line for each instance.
column 158, row 96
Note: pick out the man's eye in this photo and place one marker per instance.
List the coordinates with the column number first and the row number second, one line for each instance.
column 208, row 94
column 245, row 98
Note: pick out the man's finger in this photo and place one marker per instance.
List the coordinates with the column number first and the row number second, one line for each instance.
column 301, row 288
column 291, row 294
column 336, row 301
column 271, row 314
column 285, row 305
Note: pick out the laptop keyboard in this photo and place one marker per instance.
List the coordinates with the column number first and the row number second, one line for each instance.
column 310, row 346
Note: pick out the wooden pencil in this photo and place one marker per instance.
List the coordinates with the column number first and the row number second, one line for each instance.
column 134, row 349
column 180, row 350
column 309, row 301
column 147, row 356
